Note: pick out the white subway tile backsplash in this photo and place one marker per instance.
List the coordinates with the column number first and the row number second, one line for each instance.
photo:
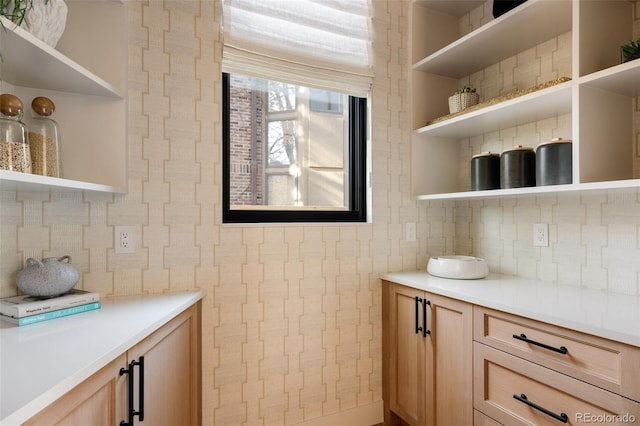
column 593, row 237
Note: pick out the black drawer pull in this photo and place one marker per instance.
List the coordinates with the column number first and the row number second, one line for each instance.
column 132, row 412
column 561, row 350
column 418, row 328
column 426, row 330
column 560, row 417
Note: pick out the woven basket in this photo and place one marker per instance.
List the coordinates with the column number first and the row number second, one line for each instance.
column 460, row 101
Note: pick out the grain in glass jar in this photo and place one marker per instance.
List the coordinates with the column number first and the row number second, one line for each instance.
column 44, row 138
column 14, row 146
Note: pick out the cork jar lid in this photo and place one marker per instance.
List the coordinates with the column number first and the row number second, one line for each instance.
column 486, row 154
column 43, row 106
column 10, row 105
column 556, row 140
column 518, row 148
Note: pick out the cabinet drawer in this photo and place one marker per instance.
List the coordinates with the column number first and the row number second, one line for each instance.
column 500, row 377
column 480, row 419
column 604, row 363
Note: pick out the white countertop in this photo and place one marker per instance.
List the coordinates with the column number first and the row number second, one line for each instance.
column 600, row 313
column 40, row 362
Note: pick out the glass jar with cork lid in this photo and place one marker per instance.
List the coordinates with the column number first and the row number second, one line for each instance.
column 44, row 139
column 14, row 146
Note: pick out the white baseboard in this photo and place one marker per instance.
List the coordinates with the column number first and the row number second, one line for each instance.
column 367, row 415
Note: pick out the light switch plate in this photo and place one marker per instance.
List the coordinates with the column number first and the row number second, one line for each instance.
column 410, row 232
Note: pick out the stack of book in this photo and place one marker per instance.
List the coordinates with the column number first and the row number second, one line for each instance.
column 23, row 310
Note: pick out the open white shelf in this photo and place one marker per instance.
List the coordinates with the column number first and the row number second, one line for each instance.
column 16, row 181
column 85, row 76
column 28, row 61
column 534, row 190
column 549, row 102
column 594, row 108
column 623, row 79
column 522, row 28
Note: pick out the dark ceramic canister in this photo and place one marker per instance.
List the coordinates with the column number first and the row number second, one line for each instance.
column 500, row 7
column 517, row 167
column 485, row 171
column 553, row 162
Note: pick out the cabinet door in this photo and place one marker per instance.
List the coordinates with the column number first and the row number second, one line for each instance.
column 171, row 372
column 96, row 401
column 403, row 355
column 449, row 361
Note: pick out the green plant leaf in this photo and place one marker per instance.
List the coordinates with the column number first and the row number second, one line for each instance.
column 466, row 89
column 632, row 48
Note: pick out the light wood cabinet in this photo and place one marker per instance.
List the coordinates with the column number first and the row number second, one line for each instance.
column 85, row 76
column 172, row 372
column 450, row 362
column 604, row 363
column 427, row 358
column 518, row 392
column 529, row 372
column 171, row 382
column 596, row 106
column 99, row 400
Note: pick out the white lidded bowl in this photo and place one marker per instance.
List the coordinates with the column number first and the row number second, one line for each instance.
column 458, row 267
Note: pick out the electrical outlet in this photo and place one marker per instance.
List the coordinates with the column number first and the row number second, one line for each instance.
column 410, row 232
column 541, row 235
column 125, row 239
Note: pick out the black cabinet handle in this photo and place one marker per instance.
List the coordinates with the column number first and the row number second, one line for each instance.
column 130, row 387
column 560, row 417
column 523, row 337
column 426, row 330
column 418, row 328
column 141, row 389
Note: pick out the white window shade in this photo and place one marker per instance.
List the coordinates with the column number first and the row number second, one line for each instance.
column 317, row 43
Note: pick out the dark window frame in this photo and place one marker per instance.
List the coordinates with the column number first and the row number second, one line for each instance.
column 357, row 209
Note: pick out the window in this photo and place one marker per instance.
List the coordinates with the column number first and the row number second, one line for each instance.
column 292, row 153
column 297, row 75
column 325, row 101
